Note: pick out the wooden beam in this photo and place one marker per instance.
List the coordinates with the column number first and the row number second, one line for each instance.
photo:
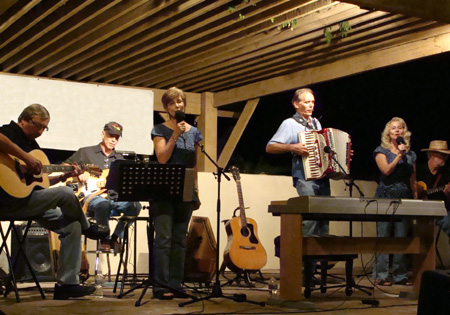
column 433, row 10
column 420, row 45
column 237, row 132
column 207, row 124
column 227, row 114
column 16, row 12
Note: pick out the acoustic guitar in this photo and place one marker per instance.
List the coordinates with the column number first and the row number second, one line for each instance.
column 17, row 182
column 423, row 192
column 244, row 251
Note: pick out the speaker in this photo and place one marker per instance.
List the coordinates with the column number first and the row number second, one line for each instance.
column 201, row 251
column 434, row 295
column 36, row 246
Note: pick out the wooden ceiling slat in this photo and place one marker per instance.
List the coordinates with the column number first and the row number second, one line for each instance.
column 153, row 49
column 113, row 23
column 200, row 45
column 316, row 58
column 15, row 12
column 115, row 35
column 257, row 45
column 104, row 15
column 236, row 44
column 11, row 34
column 53, row 40
column 90, row 62
column 200, row 39
column 319, row 54
column 434, row 41
column 41, row 28
column 299, row 47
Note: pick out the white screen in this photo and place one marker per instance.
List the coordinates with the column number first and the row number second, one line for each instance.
column 78, row 111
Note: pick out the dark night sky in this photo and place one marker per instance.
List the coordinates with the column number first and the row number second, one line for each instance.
column 417, row 91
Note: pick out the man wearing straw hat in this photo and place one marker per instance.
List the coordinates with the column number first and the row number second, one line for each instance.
column 433, row 179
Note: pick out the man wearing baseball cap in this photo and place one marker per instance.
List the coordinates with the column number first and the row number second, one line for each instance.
column 433, row 179
column 102, row 207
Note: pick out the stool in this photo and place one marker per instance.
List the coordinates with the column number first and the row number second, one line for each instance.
column 324, row 259
column 129, row 220
column 99, row 251
column 21, row 249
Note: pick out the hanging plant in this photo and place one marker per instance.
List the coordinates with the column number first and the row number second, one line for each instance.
column 328, row 35
column 288, row 25
column 345, row 28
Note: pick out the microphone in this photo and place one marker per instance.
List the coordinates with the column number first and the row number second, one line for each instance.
column 400, row 140
column 327, row 149
column 180, row 116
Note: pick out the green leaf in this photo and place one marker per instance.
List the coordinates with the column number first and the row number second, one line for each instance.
column 328, row 35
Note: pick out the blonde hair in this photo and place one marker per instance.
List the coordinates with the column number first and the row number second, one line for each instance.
column 386, row 139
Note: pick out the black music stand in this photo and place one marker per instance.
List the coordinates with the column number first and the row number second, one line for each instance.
column 135, row 181
column 217, row 289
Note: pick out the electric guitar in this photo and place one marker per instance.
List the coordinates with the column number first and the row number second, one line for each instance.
column 424, row 192
column 17, row 182
column 96, row 182
column 244, row 250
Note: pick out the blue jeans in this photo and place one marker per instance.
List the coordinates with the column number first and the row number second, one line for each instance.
column 381, row 267
column 444, row 223
column 320, row 187
column 170, row 220
column 58, row 210
column 102, row 209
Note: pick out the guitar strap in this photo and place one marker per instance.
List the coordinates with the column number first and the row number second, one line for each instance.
column 437, row 180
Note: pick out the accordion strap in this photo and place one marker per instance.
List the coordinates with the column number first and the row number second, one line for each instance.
column 302, row 121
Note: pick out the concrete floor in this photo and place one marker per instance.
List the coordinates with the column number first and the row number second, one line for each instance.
column 334, row 301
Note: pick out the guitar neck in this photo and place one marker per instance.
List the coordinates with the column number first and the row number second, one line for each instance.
column 241, row 204
column 56, row 168
column 435, row 190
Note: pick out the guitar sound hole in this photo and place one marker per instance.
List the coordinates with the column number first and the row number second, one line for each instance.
column 245, row 232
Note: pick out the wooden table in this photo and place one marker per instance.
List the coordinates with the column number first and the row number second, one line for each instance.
column 294, row 245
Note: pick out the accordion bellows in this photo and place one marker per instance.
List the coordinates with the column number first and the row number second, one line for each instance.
column 320, row 163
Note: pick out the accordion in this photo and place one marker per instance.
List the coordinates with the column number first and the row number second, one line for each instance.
column 320, row 163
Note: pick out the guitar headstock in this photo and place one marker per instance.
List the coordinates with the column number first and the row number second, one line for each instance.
column 235, row 172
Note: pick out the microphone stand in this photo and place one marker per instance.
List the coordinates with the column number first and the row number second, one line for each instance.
column 349, row 184
column 217, row 289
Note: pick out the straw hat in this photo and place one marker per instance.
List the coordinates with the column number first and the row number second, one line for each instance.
column 438, row 146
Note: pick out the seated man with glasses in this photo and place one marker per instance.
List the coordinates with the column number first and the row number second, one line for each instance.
column 56, row 208
column 98, row 206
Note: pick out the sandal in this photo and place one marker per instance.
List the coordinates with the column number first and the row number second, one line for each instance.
column 163, row 295
column 404, row 281
column 383, row 282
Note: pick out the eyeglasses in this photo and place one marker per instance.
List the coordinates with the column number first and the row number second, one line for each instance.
column 39, row 125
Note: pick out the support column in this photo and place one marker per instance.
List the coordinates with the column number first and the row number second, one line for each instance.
column 207, row 124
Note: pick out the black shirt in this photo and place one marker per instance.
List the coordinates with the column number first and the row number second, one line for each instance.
column 16, row 135
column 423, row 174
column 94, row 155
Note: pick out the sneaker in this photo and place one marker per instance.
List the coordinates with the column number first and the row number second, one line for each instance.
column 96, row 231
column 65, row 291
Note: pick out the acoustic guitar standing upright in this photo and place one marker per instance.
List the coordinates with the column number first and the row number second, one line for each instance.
column 244, row 250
